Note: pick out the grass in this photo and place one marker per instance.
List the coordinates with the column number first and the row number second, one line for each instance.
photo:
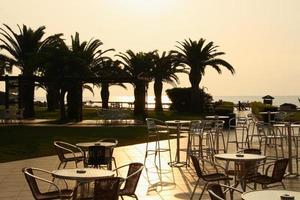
column 22, row 142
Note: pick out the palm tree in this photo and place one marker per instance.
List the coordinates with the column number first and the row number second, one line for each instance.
column 164, row 71
column 85, row 56
column 108, row 69
column 197, row 56
column 138, row 66
column 23, row 50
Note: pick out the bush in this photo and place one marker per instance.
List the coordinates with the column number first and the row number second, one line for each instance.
column 223, row 107
column 181, row 100
column 258, row 107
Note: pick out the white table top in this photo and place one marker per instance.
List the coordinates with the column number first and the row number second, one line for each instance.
column 90, row 144
column 217, row 117
column 269, row 112
column 178, row 121
column 88, row 174
column 269, row 194
column 233, row 157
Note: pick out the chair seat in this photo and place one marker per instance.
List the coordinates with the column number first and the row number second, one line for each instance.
column 80, row 158
column 65, row 194
column 216, row 177
column 261, row 179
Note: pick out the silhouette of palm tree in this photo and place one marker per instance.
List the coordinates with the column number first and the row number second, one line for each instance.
column 164, row 70
column 197, row 56
column 136, row 64
column 24, row 50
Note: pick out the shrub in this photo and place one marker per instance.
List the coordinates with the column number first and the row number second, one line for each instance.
column 223, row 107
column 181, row 100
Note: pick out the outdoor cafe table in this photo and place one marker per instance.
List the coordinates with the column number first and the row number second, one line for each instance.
column 269, row 194
column 86, row 145
column 269, row 113
column 238, row 164
column 178, row 124
column 217, row 117
column 289, row 127
column 82, row 175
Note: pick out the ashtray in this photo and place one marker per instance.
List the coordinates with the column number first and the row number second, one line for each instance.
column 80, row 171
column 239, row 155
column 287, row 197
column 97, row 144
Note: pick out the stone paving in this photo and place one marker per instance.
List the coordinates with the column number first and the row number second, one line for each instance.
column 177, row 182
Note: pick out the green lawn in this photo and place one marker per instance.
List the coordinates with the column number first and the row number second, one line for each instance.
column 21, row 142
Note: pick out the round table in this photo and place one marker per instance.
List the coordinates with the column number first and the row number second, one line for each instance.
column 239, row 160
column 90, row 144
column 269, row 113
column 178, row 124
column 82, row 175
column 268, row 194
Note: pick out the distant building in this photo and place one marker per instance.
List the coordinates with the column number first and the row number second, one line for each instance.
column 268, row 99
column 288, row 107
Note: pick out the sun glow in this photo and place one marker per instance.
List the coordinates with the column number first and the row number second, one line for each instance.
column 147, row 6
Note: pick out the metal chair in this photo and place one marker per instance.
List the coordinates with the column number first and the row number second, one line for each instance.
column 111, row 140
column 240, row 126
column 107, row 188
column 279, row 167
column 68, row 153
column 156, row 130
column 99, row 156
column 271, row 136
column 212, row 177
column 216, row 193
column 33, row 180
column 131, row 181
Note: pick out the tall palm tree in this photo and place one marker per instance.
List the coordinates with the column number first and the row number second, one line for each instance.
column 138, row 66
column 108, row 69
column 85, row 56
column 197, row 56
column 23, row 50
column 164, row 71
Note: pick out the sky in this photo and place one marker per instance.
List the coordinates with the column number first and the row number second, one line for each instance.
column 261, row 38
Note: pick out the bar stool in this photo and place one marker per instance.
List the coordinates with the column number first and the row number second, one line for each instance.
column 271, row 135
column 217, row 134
column 240, row 126
column 195, row 140
column 157, row 129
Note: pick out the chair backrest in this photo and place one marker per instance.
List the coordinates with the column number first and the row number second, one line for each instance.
column 99, row 155
column 250, row 166
column 252, row 151
column 107, row 188
column 30, row 178
column 196, row 166
column 61, row 148
column 215, row 191
column 155, row 125
column 279, row 169
column 132, row 181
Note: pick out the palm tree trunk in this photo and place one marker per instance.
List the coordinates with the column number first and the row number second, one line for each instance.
column 105, row 95
column 74, row 100
column 139, row 99
column 158, row 86
column 195, row 79
column 52, row 97
column 27, row 96
column 62, row 104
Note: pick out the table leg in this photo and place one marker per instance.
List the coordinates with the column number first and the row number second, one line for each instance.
column 290, row 168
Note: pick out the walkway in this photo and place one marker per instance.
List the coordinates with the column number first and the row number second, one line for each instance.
column 13, row 185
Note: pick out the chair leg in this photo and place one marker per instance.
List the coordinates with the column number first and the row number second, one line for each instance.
column 204, row 187
column 195, row 189
column 283, row 185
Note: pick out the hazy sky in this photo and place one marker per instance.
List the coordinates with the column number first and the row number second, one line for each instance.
column 261, row 38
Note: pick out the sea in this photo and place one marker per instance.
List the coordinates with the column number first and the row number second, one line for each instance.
column 278, row 100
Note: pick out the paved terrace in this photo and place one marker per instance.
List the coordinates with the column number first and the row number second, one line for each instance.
column 176, row 185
